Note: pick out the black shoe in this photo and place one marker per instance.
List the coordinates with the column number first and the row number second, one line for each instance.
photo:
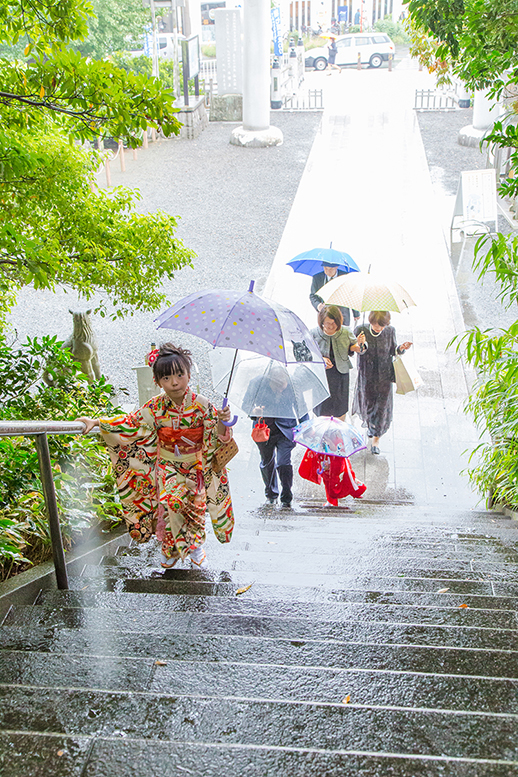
column 285, row 503
column 375, row 449
column 271, row 500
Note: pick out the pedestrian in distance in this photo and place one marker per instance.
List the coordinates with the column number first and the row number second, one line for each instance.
column 336, row 344
column 329, row 271
column 373, row 397
column 332, row 51
column 162, row 456
column 273, row 434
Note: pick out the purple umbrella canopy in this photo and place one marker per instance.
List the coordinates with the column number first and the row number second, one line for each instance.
column 245, row 321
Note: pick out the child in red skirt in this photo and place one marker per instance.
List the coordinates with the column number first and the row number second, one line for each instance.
column 336, row 473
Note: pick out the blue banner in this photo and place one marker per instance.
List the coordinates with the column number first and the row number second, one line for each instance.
column 343, row 13
column 276, row 31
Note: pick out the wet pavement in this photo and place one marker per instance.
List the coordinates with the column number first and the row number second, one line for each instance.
column 377, row 638
column 394, row 653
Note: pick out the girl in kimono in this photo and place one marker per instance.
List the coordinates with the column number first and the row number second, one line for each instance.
column 373, row 396
column 162, row 459
column 336, row 473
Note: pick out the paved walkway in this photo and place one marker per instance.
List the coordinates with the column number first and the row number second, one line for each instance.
column 367, row 188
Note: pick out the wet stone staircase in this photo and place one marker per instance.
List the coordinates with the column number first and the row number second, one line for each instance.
column 376, row 641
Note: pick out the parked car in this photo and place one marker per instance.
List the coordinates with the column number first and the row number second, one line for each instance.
column 374, row 48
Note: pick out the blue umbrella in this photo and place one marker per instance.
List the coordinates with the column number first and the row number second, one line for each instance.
column 311, row 262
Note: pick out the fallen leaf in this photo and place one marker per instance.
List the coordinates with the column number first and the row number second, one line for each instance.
column 347, row 699
column 463, row 606
column 442, row 590
column 61, row 752
column 161, row 663
column 242, row 590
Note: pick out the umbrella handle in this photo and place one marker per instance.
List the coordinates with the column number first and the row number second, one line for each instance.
column 234, row 420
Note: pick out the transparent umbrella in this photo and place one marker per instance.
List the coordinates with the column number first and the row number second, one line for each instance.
column 330, row 436
column 264, row 387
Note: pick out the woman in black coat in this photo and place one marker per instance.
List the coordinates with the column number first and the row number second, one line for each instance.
column 373, row 397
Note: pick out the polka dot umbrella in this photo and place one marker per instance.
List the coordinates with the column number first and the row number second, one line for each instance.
column 238, row 320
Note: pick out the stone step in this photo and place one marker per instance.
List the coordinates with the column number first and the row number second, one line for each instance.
column 265, row 539
column 88, row 756
column 359, row 632
column 397, row 657
column 466, row 569
column 168, row 584
column 372, row 688
column 323, row 727
column 240, row 605
column 276, row 575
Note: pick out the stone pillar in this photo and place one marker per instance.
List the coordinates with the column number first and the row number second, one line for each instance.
column 485, row 113
column 482, row 107
column 257, row 33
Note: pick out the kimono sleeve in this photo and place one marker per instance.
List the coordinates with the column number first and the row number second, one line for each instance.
column 126, row 429
column 210, row 424
column 132, row 444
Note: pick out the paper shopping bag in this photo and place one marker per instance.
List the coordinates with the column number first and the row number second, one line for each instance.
column 407, row 377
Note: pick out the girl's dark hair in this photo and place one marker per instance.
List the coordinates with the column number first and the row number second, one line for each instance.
column 333, row 312
column 171, row 360
column 380, row 317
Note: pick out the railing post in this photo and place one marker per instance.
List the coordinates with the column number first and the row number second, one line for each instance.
column 49, row 493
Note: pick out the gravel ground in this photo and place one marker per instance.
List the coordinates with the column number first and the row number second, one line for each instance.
column 233, row 204
column 446, row 159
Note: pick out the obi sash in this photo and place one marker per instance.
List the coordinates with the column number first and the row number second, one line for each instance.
column 183, row 441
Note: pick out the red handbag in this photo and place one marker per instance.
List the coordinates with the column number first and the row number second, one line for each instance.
column 261, row 431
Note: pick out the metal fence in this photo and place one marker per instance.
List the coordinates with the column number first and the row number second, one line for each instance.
column 434, row 100
column 311, row 100
column 39, row 430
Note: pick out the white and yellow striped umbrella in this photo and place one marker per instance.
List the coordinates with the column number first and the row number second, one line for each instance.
column 365, row 291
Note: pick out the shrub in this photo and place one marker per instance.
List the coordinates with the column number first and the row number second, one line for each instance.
column 209, row 50
column 85, row 486
column 395, row 31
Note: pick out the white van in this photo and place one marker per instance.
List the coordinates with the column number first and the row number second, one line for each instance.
column 374, row 49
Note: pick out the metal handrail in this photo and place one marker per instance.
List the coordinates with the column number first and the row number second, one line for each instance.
column 40, row 430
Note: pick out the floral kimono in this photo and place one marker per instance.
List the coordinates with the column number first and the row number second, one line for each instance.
column 162, row 456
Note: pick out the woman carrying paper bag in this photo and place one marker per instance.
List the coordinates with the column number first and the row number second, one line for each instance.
column 373, row 397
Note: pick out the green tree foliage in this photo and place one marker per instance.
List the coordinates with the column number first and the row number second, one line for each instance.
column 479, row 36
column 56, row 227
column 143, row 64
column 426, row 49
column 116, row 25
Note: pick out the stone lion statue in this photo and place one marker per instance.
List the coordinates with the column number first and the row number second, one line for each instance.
column 83, row 347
